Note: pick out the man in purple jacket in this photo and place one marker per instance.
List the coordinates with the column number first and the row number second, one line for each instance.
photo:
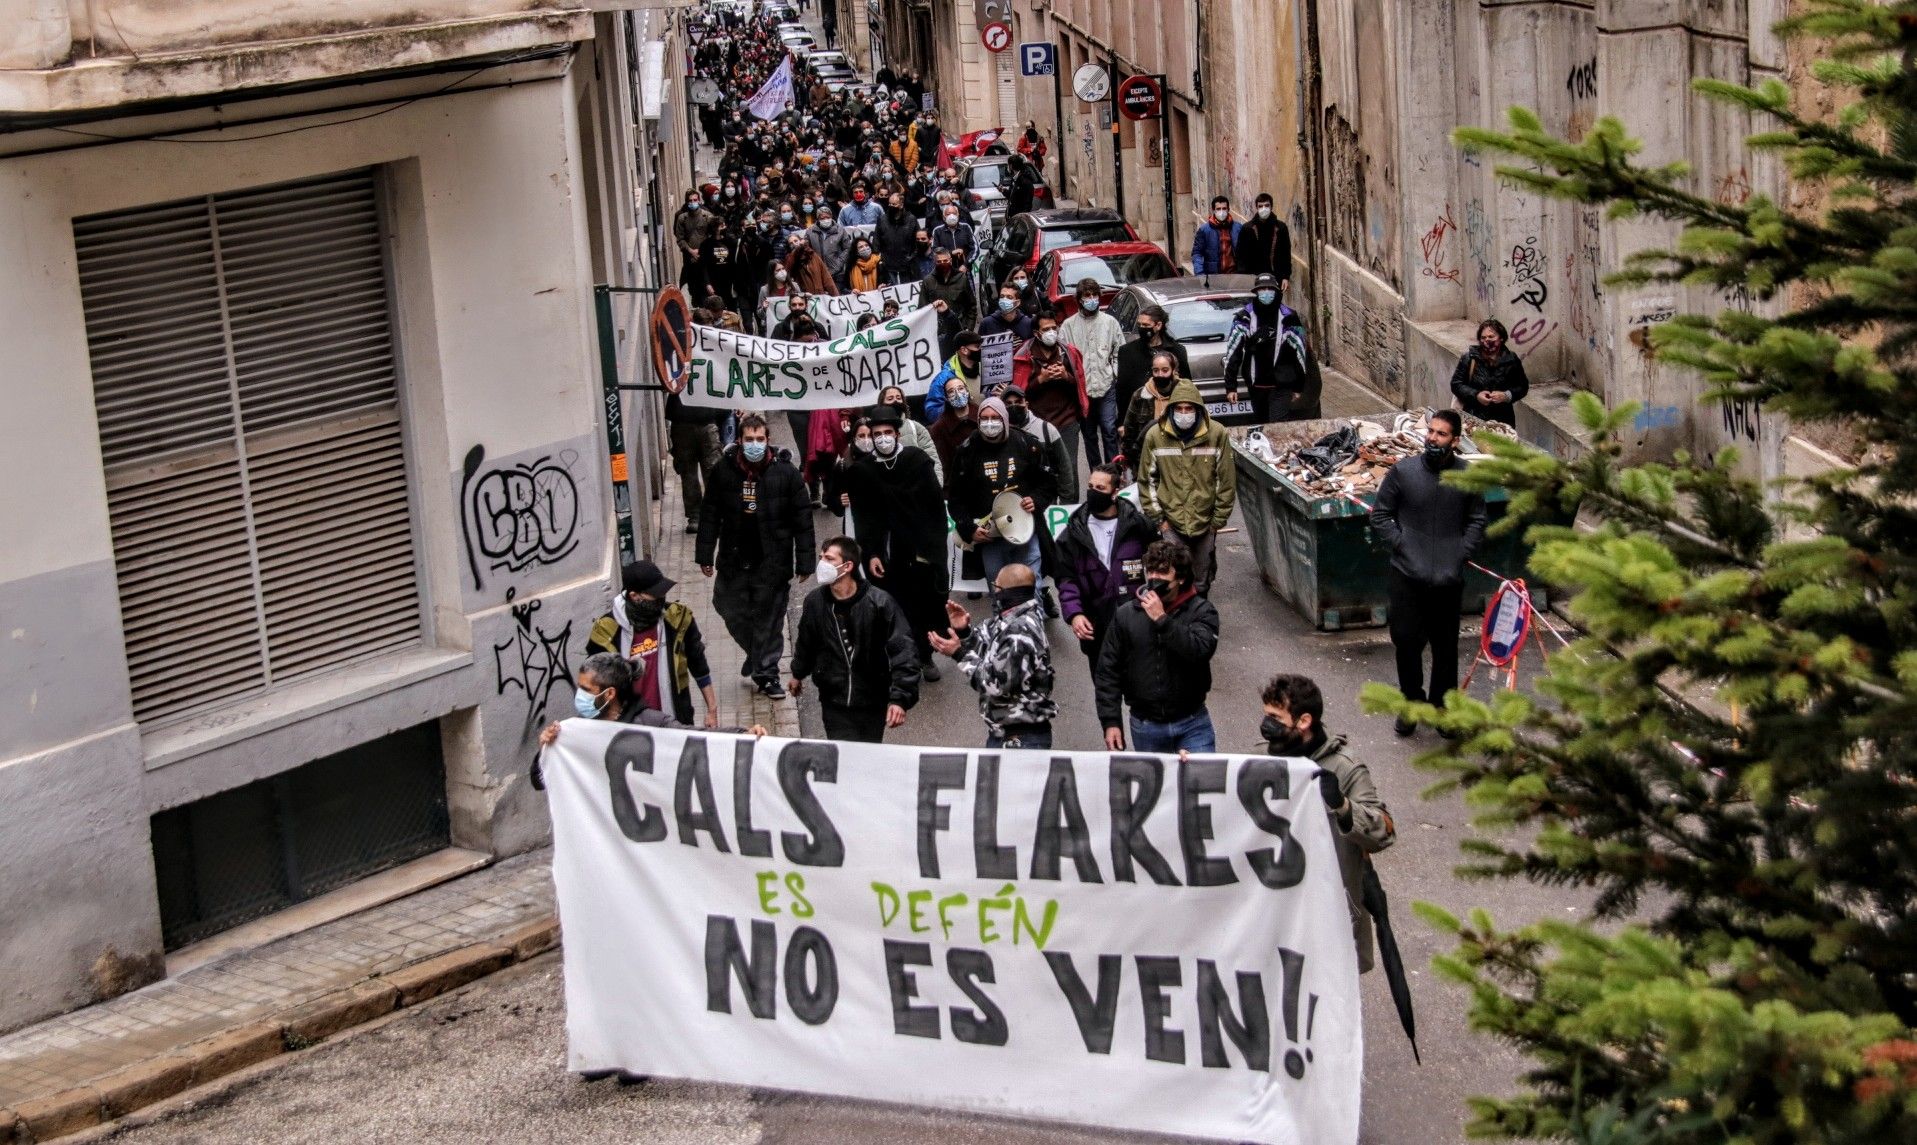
column 1101, row 558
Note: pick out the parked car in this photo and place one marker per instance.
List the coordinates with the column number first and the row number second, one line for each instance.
column 830, row 58
column 1113, row 266
column 1031, row 236
column 1200, row 309
column 981, row 175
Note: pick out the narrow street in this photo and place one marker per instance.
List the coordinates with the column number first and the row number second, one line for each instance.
column 487, row 1064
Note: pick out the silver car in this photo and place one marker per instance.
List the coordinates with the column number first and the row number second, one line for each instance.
column 980, row 175
column 1200, row 309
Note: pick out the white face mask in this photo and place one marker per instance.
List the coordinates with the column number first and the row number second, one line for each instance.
column 863, row 445
column 886, row 445
column 951, row 219
column 991, row 430
column 827, row 572
column 1221, row 214
column 1185, row 419
column 1049, row 337
column 779, row 274
column 1264, row 212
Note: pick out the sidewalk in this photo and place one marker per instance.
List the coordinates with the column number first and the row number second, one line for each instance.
column 84, row 1068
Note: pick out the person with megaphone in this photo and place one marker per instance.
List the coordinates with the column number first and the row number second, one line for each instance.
column 999, row 485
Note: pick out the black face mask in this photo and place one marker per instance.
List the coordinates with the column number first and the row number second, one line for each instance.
column 645, row 613
column 1010, row 598
column 1147, row 333
column 1099, row 501
column 1019, row 414
column 1282, row 740
column 1164, row 385
column 1162, row 587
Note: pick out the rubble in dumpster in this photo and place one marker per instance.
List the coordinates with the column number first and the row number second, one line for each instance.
column 1352, row 458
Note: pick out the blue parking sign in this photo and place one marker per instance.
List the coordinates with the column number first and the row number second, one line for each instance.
column 1037, row 59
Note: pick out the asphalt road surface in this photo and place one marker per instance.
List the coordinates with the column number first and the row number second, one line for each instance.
column 487, row 1064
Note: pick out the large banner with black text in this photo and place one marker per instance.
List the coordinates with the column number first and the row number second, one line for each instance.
column 840, row 313
column 1111, row 939
column 731, row 370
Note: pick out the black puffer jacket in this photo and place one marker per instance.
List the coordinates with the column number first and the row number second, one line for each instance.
column 1474, row 374
column 781, row 522
column 883, row 667
column 1160, row 668
column 1432, row 528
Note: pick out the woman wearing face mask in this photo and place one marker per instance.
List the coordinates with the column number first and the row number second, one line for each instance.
column 862, row 274
column 605, row 691
column 1052, row 374
column 957, row 420
column 1489, row 380
column 1293, row 727
column 994, row 460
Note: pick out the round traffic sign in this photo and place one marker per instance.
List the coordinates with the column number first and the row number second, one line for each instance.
column 1140, row 97
column 672, row 338
column 1092, row 83
column 996, row 36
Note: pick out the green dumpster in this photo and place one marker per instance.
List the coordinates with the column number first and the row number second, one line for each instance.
column 1321, row 556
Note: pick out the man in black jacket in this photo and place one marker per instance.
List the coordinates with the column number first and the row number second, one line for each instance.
column 1150, row 333
column 1157, row 660
column 1432, row 528
column 896, row 240
column 948, row 289
column 1101, row 559
column 853, row 638
column 754, row 530
column 1264, row 244
column 1489, row 380
column 898, row 509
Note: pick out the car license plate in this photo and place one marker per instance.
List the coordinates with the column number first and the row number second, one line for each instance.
column 1227, row 409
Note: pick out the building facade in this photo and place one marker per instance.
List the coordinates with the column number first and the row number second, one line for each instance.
column 311, row 503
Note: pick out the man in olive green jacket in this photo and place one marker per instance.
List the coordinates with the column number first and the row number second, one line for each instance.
column 1294, row 726
column 1187, row 482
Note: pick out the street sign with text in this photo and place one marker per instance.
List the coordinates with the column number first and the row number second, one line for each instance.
column 1140, row 97
column 1037, row 59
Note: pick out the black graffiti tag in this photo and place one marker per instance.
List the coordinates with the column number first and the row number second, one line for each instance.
column 534, row 661
column 518, row 515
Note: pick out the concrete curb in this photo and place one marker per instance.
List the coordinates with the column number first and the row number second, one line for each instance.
column 296, row 1028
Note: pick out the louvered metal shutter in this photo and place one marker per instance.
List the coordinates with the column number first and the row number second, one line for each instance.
column 244, row 376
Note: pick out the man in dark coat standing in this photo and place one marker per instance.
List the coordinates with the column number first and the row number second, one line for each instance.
column 898, row 509
column 852, row 637
column 1489, row 381
column 896, row 239
column 1264, row 246
column 755, row 529
column 1432, row 529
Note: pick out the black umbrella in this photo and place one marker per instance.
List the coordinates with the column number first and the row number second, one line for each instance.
column 1380, row 911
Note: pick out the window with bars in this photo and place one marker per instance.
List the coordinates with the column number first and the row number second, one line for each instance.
column 245, row 380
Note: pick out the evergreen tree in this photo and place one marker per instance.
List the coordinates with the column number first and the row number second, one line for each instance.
column 1726, row 758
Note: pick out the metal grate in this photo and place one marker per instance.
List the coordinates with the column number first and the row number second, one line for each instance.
column 235, row 856
column 247, row 393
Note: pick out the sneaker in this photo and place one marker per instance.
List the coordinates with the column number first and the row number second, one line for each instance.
column 929, row 669
column 770, row 688
column 692, row 528
column 1404, row 726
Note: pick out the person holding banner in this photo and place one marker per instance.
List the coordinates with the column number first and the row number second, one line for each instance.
column 997, row 459
column 1008, row 659
column 754, row 529
column 1157, row 660
column 853, row 638
column 604, row 691
column 1360, row 822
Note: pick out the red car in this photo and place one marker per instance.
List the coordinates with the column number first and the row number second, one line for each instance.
column 1114, row 266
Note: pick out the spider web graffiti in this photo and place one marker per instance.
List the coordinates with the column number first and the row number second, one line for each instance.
column 533, row 661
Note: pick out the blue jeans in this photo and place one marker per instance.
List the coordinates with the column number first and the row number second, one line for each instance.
column 1101, row 428
column 1193, row 733
column 995, row 555
column 1030, row 736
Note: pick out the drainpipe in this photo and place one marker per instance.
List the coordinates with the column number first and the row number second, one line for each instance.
column 1312, row 125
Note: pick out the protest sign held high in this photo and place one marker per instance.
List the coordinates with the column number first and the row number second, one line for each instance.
column 1114, row 939
column 730, row 370
column 839, row 313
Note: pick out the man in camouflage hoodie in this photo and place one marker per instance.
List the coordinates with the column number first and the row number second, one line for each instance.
column 1008, row 659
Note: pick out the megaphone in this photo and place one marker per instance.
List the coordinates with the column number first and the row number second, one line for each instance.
column 1010, row 518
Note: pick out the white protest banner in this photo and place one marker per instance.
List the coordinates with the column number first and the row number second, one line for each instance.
column 995, row 360
column 775, row 95
column 840, row 312
column 731, row 370
column 1113, row 939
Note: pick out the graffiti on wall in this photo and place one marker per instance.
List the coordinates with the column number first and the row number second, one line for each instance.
column 1527, row 264
column 533, row 660
column 1586, row 291
column 1743, row 419
column 1734, row 189
column 518, row 515
column 1581, row 80
column 1345, row 206
column 1527, row 334
column 1438, row 247
column 1477, row 240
